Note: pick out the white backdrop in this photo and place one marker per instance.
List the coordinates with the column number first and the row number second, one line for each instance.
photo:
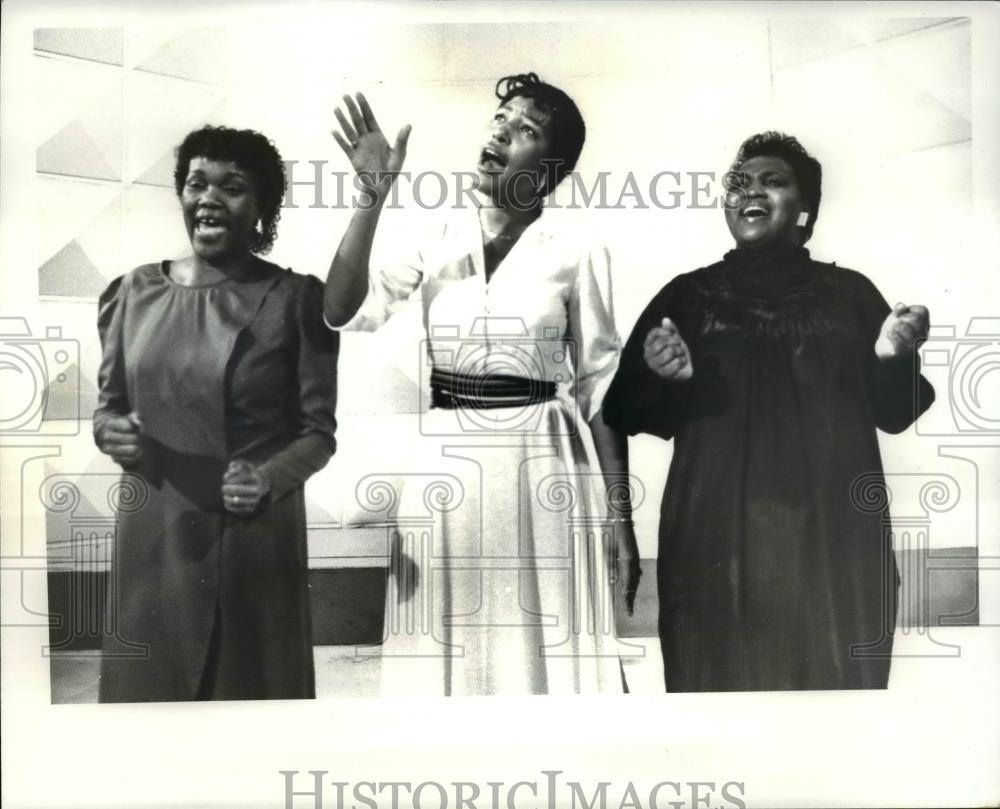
column 881, row 93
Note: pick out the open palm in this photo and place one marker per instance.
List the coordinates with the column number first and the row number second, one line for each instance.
column 375, row 162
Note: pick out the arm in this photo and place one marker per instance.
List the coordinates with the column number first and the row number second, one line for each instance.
column 639, row 399
column 116, row 426
column 898, row 392
column 376, row 165
column 245, row 486
column 612, row 452
column 316, row 402
column 596, row 346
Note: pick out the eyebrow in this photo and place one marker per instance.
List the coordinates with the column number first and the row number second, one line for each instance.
column 229, row 175
column 533, row 118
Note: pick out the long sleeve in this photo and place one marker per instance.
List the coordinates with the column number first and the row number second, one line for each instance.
column 638, row 400
column 596, row 344
column 898, row 392
column 315, row 403
column 388, row 289
column 112, row 398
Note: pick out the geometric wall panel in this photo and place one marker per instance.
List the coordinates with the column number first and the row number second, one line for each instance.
column 798, row 40
column 196, row 54
column 75, row 395
column 909, row 102
column 89, row 145
column 71, row 273
column 98, row 44
column 81, row 223
column 160, row 173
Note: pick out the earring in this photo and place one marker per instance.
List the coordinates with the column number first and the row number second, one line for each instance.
column 803, row 219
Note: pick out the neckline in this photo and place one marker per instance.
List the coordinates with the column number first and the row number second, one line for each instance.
column 480, row 254
column 165, row 274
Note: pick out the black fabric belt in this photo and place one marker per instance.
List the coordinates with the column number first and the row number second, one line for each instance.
column 451, row 391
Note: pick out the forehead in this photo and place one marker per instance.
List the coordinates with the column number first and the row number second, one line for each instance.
column 529, row 109
column 211, row 166
column 767, row 163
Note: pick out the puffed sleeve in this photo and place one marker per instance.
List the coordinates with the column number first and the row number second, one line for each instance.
column 388, row 289
column 595, row 344
column 112, row 396
column 314, row 406
column 897, row 391
column 638, row 400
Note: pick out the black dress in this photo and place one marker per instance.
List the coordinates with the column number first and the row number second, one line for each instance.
column 775, row 566
column 206, row 604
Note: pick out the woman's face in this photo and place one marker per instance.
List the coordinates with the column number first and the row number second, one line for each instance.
column 510, row 168
column 219, row 202
column 764, row 203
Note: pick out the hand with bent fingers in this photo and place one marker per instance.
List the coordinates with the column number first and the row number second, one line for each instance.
column 120, row 439
column 666, row 353
column 375, row 162
column 243, row 487
column 902, row 330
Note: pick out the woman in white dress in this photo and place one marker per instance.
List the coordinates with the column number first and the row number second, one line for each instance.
column 515, row 520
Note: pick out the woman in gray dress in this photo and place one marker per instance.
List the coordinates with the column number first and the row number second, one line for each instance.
column 217, row 394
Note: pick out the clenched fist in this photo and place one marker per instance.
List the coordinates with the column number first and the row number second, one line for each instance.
column 119, row 439
column 666, row 353
column 902, row 330
column 243, row 487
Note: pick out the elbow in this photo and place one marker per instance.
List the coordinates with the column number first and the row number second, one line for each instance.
column 336, row 314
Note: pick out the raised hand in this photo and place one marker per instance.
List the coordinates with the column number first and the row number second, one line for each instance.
column 902, row 330
column 119, row 439
column 666, row 353
column 243, row 487
column 375, row 162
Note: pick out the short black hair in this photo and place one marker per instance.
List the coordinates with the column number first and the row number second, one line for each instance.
column 807, row 169
column 567, row 127
column 252, row 152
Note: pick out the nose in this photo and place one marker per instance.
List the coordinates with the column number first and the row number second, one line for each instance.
column 754, row 188
column 500, row 134
column 209, row 197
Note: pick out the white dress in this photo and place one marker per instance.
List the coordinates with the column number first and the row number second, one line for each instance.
column 499, row 576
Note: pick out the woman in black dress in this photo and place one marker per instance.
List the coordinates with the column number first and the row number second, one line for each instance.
column 771, row 371
column 217, row 392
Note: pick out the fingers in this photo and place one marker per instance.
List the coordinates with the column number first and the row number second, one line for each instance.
column 665, row 329
column 120, row 439
column 401, row 140
column 241, row 490
column 350, row 134
column 342, row 142
column 916, row 316
column 663, row 348
column 633, row 572
column 115, row 438
column 125, row 456
column 366, row 113
column 899, row 309
column 241, row 498
column 356, row 118
column 240, row 507
column 904, row 334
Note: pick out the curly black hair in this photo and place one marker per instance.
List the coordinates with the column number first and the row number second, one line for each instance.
column 807, row 169
column 252, row 152
column 567, row 127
